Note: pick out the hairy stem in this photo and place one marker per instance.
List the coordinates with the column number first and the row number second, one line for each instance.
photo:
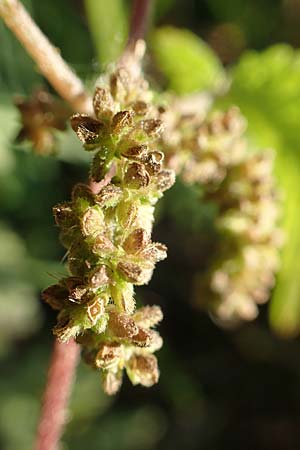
column 46, row 56
column 59, row 385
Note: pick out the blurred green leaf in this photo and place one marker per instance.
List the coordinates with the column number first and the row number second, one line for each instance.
column 266, row 86
column 257, row 19
column 108, row 26
column 187, row 62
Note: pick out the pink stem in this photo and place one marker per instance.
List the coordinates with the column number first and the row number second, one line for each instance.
column 139, row 20
column 61, row 376
column 96, row 187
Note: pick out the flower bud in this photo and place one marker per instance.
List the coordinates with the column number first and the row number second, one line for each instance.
column 111, row 381
column 154, row 162
column 140, row 108
column 56, row 296
column 122, row 326
column 126, row 213
column 66, row 329
column 153, row 127
column 77, row 293
column 136, row 153
column 103, row 104
column 165, row 180
column 108, row 355
column 122, row 120
column 92, row 222
column 155, row 252
column 143, row 369
column 136, row 176
column 87, row 129
column 136, row 241
column 64, row 215
column 130, row 271
column 148, row 316
column 99, row 277
column 109, row 196
column 102, row 245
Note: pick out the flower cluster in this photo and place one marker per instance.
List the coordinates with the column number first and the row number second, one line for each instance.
column 106, row 228
column 41, row 115
column 213, row 152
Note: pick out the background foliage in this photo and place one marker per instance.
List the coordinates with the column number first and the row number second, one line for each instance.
column 218, row 389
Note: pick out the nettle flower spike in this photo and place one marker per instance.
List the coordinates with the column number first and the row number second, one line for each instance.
column 213, row 153
column 108, row 234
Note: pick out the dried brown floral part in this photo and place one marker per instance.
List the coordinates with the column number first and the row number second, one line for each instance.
column 122, row 326
column 77, row 294
column 136, row 241
column 109, row 196
column 153, row 127
column 102, row 246
column 87, row 129
column 66, row 329
column 142, row 338
column 92, row 222
column 108, row 355
column 136, row 176
column 41, row 115
column 121, row 121
column 154, row 252
column 111, row 381
column 143, row 370
column 165, row 180
column 148, row 316
column 140, row 108
column 56, row 296
column 136, row 153
column 64, row 215
column 99, row 277
column 103, row 104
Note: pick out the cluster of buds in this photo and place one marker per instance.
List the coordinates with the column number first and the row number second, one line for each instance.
column 41, row 115
column 106, row 228
column 213, row 153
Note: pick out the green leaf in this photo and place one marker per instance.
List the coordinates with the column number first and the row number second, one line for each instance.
column 108, row 26
column 266, row 86
column 187, row 62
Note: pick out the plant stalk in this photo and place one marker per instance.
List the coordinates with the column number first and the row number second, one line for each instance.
column 59, row 385
column 46, row 56
column 140, row 17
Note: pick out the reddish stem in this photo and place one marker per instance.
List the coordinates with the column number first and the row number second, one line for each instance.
column 96, row 187
column 61, row 376
column 139, row 20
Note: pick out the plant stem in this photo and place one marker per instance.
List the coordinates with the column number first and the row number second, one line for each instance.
column 59, row 385
column 46, row 56
column 95, row 187
column 141, row 11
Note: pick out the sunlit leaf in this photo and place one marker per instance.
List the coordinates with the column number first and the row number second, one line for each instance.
column 187, row 62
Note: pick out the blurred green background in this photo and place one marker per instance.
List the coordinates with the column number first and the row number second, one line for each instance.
column 219, row 389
